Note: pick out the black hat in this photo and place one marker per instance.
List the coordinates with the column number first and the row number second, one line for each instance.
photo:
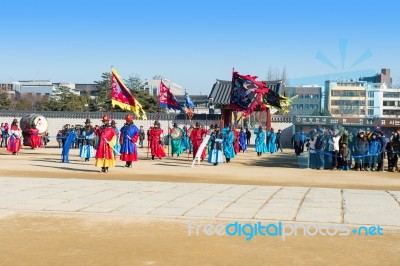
column 87, row 121
column 197, row 124
column 212, row 127
column 175, row 125
column 15, row 120
column 113, row 122
column 156, row 123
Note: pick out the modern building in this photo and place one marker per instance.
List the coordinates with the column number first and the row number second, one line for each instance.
column 13, row 89
column 153, row 87
column 36, row 87
column 91, row 89
column 383, row 77
column 382, row 101
column 346, row 98
column 307, row 99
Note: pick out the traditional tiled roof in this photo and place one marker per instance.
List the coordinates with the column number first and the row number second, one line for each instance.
column 221, row 91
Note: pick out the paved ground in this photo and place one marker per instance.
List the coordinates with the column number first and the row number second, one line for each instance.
column 199, row 200
column 69, row 214
column 279, row 169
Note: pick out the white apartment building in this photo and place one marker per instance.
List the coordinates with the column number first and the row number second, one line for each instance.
column 382, row 101
column 153, row 87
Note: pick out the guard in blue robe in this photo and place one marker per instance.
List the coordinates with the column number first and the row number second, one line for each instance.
column 271, row 141
column 86, row 149
column 67, row 146
column 243, row 140
column 260, row 141
column 117, row 146
column 129, row 136
column 215, row 154
column 229, row 150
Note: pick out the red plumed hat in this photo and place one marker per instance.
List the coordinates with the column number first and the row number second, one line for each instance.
column 129, row 118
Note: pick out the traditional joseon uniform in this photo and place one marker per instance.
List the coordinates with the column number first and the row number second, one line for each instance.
column 128, row 138
column 67, row 145
column 243, row 141
column 34, row 137
column 271, row 142
column 186, row 141
column 229, row 138
column 196, row 136
column 215, row 154
column 14, row 143
column 176, row 144
column 155, row 141
column 86, row 150
column 117, row 146
column 236, row 144
column 105, row 153
column 260, row 141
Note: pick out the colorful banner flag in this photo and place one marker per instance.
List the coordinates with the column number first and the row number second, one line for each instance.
column 189, row 106
column 246, row 93
column 167, row 99
column 120, row 96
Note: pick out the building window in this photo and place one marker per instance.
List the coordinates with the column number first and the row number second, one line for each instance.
column 306, row 106
column 155, row 91
column 391, row 95
column 300, row 106
column 370, row 111
column 316, row 96
column 307, row 96
column 347, row 103
column 370, row 103
column 348, row 93
column 371, row 94
column 388, row 103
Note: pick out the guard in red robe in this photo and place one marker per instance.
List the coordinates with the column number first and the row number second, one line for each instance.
column 236, row 145
column 107, row 139
column 196, row 136
column 34, row 137
column 155, row 138
column 14, row 142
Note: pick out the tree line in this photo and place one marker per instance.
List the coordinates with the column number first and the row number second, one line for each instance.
column 63, row 99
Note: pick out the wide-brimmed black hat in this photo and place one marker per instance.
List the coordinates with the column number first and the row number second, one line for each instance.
column 175, row 125
column 15, row 120
column 87, row 121
column 113, row 122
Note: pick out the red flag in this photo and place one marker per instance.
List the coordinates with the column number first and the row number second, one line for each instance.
column 167, row 99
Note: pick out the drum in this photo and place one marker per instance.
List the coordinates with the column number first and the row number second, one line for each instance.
column 33, row 119
column 176, row 133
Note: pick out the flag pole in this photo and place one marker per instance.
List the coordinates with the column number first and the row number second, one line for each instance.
column 112, row 109
column 159, row 107
column 169, row 132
